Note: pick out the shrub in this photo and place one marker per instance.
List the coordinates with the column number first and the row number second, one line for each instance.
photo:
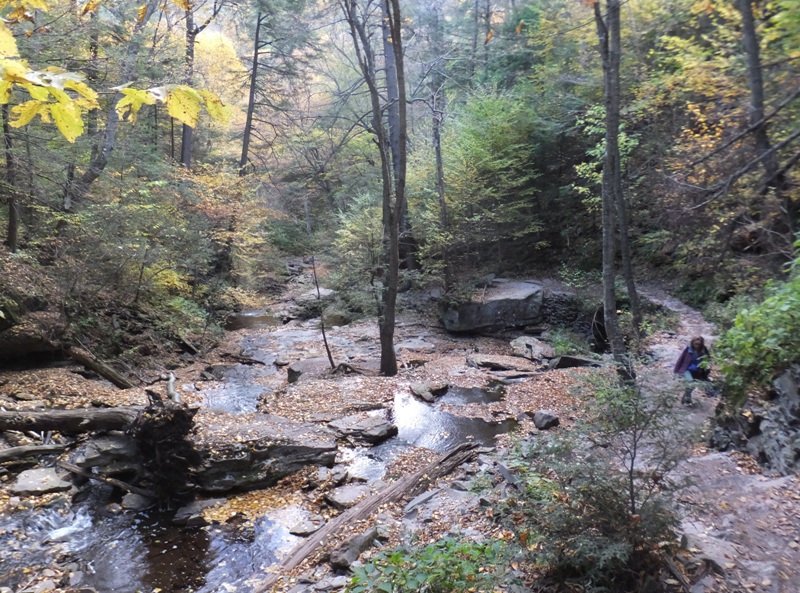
column 444, row 566
column 764, row 340
column 593, row 508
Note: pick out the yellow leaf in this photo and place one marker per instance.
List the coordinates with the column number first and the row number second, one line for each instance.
column 141, row 13
column 5, row 91
column 215, row 107
column 19, row 14
column 8, row 47
column 39, row 93
column 85, row 91
column 183, row 103
column 184, row 4
column 59, row 95
column 91, row 6
column 24, row 113
column 13, row 70
column 132, row 102
column 519, row 27
column 68, row 118
column 488, row 37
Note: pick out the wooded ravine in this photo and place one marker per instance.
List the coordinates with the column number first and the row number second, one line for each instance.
column 386, row 295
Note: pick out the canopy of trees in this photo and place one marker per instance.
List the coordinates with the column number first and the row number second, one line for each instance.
column 476, row 135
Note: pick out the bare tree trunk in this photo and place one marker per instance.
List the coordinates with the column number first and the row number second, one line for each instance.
column 78, row 189
column 438, row 106
column 608, row 35
column 393, row 194
column 12, row 236
column 474, row 56
column 773, row 176
column 393, row 118
column 251, row 101
column 187, row 133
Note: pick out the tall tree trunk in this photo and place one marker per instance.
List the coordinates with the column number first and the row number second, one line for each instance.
column 388, row 356
column 187, row 133
column 251, row 100
column 393, row 194
column 774, row 179
column 474, row 57
column 80, row 186
column 438, row 105
column 12, row 236
column 393, row 118
column 608, row 35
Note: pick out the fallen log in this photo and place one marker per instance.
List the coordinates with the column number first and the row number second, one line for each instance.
column 102, row 369
column 22, row 452
column 410, row 485
column 112, row 481
column 75, row 421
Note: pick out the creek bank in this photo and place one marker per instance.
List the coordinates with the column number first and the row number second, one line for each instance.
column 768, row 430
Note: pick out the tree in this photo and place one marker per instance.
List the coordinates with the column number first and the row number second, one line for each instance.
column 614, row 212
column 393, row 185
column 192, row 31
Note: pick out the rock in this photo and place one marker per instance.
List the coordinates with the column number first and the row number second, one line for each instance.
column 349, row 551
column 307, row 368
column 371, row 427
column 347, row 496
column 335, row 319
column 24, row 396
column 545, row 420
column 429, row 391
column 499, row 363
column 114, row 451
column 45, row 585
column 416, row 345
column 566, row 362
column 191, row 514
column 266, row 449
column 331, row 583
column 41, row 480
column 136, row 502
column 769, row 432
column 308, row 526
column 716, row 553
column 531, row 348
column 419, row 500
column 502, row 304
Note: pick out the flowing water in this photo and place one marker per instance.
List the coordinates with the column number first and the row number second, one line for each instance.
column 128, row 552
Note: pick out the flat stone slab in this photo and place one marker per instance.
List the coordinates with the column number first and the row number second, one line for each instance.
column 307, row 368
column 531, row 348
column 42, row 480
column 500, row 363
column 416, row 345
column 347, row 496
column 371, row 427
column 247, row 451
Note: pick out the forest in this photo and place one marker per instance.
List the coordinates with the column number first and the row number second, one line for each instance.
column 170, row 168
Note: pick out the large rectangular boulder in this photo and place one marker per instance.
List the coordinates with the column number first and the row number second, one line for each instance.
column 502, row 304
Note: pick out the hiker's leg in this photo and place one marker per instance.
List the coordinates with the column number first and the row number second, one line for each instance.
column 689, row 383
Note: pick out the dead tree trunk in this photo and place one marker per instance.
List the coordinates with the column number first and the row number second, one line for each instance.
column 105, row 371
column 408, row 486
column 69, row 421
column 168, row 456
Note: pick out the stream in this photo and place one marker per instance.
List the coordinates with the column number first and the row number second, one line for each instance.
column 115, row 551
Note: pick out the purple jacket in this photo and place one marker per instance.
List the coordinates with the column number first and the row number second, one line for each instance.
column 685, row 359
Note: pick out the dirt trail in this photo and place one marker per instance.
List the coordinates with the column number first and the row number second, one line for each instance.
column 741, row 526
